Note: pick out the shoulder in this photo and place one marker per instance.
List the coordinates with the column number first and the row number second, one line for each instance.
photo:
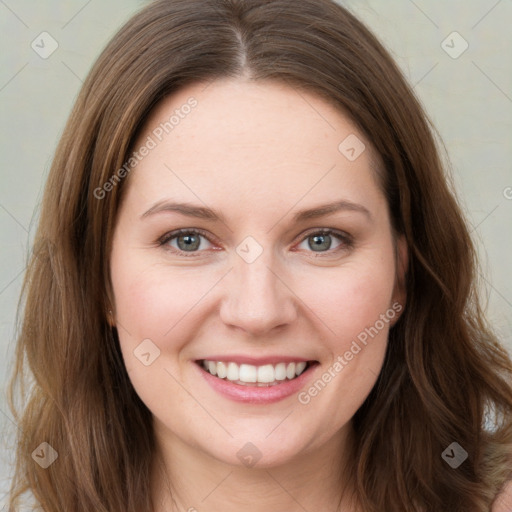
column 503, row 501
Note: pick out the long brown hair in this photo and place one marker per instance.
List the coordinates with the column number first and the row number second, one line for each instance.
column 445, row 377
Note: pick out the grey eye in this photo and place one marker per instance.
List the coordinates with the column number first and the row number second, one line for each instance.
column 320, row 242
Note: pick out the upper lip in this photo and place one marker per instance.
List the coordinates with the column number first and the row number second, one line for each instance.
column 256, row 361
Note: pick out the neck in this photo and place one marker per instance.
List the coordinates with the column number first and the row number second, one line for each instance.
column 186, row 479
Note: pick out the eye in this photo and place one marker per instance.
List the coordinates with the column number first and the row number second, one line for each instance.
column 321, row 241
column 183, row 241
column 187, row 241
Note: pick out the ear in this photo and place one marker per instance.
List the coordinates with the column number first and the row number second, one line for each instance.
column 401, row 267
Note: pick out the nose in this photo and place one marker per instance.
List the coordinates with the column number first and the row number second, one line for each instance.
column 257, row 297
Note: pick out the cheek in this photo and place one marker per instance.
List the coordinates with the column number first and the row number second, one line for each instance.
column 154, row 304
column 350, row 298
column 356, row 308
column 157, row 303
column 354, row 304
column 149, row 304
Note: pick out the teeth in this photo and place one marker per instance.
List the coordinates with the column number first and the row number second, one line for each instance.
column 222, row 370
column 300, row 367
column 211, row 367
column 233, row 372
column 248, row 373
column 266, row 373
column 280, row 371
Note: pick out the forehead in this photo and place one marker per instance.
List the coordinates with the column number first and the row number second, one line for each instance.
column 264, row 141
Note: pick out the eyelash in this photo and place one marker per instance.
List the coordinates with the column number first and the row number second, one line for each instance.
column 346, row 239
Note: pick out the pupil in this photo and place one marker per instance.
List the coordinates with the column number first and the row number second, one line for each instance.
column 189, row 242
column 320, row 240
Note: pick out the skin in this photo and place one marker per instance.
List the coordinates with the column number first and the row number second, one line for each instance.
column 257, row 153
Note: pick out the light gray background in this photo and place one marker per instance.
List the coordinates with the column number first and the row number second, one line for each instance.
column 468, row 98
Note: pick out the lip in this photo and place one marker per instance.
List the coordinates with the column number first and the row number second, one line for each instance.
column 256, row 394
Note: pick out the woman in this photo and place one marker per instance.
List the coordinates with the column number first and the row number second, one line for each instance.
column 193, row 343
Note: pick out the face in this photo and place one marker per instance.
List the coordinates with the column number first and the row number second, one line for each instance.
column 253, row 277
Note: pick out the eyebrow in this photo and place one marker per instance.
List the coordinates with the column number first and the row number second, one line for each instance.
column 203, row 212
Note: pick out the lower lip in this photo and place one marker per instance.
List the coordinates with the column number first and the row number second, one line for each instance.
column 257, row 394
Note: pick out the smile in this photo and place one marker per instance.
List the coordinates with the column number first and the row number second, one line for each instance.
column 248, row 374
